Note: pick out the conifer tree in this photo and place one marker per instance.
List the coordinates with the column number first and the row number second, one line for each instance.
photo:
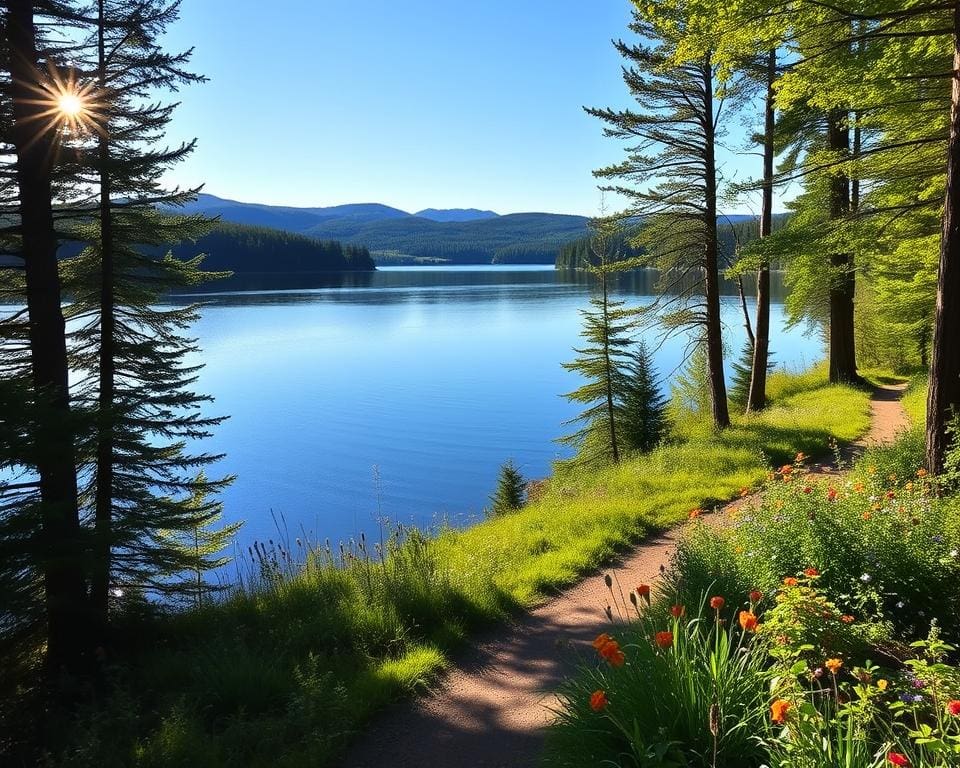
column 642, row 411
column 606, row 328
column 146, row 485
column 511, row 490
column 670, row 172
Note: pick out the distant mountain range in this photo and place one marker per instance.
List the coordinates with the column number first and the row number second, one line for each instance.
column 458, row 235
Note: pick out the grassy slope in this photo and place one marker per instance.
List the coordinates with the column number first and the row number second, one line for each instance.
column 283, row 676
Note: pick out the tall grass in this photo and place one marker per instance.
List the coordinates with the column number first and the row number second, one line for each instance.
column 285, row 671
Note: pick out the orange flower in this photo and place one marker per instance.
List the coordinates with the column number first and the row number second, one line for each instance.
column 867, row 515
column 612, row 653
column 858, row 487
column 598, row 701
column 601, row 640
column 717, row 603
column 744, row 492
column 677, row 611
column 921, row 472
column 786, row 469
column 811, row 573
column 882, row 684
column 847, row 619
column 756, row 596
column 790, row 581
column 748, row 621
column 833, row 665
column 808, row 489
column 663, row 639
column 695, row 513
column 779, row 709
column 643, row 590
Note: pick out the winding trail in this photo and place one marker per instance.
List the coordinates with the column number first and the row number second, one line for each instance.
column 491, row 709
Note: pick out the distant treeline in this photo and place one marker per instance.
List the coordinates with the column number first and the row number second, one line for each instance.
column 241, row 248
column 732, row 234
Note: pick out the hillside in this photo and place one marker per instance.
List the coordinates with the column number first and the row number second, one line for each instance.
column 465, row 236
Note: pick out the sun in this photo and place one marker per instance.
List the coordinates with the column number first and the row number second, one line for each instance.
column 70, row 105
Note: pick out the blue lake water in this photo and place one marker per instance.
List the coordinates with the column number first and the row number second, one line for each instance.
column 425, row 378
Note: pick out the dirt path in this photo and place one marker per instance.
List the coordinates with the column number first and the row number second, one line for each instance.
column 491, row 709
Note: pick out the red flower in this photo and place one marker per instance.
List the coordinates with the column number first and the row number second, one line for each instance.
column 677, row 611
column 598, row 701
column 953, row 707
column 790, row 581
column 811, row 572
column 831, row 494
column 756, row 596
column 807, row 489
column 847, row 619
column 897, row 759
column 602, row 640
column 663, row 639
column 644, row 591
column 717, row 603
column 748, row 621
column 612, row 653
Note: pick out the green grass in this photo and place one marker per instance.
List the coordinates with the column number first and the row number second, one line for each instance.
column 285, row 673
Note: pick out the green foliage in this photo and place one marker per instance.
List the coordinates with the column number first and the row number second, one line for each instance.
column 642, row 409
column 741, row 370
column 511, row 490
column 665, row 704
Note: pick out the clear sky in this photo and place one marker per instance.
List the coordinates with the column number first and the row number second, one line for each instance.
column 421, row 103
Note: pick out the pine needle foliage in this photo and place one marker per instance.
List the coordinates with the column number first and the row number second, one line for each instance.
column 642, row 408
column 511, row 490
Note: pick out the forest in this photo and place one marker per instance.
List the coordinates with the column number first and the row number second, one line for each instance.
column 814, row 625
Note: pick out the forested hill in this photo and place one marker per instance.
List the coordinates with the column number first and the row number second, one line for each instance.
column 733, row 232
column 463, row 236
column 245, row 249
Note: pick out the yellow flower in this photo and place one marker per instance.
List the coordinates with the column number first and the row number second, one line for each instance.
column 833, row 665
column 882, row 684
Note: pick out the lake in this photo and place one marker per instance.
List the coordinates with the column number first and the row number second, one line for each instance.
column 399, row 394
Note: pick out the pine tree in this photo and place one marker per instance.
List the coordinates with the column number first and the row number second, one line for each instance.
column 642, row 412
column 606, row 327
column 145, row 484
column 671, row 169
column 511, row 490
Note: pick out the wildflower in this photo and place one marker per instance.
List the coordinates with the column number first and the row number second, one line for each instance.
column 790, row 581
column 901, row 604
column 744, row 492
column 756, row 596
column 612, row 653
column 891, row 494
column 872, row 470
column 807, row 489
column 866, row 578
column 779, row 709
column 882, row 684
column 601, row 640
column 717, row 603
column 831, row 494
column 833, row 665
column 663, row 639
column 909, row 486
column 811, row 573
column 847, row 619
column 858, row 487
column 644, row 591
column 953, row 707
column 677, row 611
column 818, row 673
column 748, row 621
column 598, row 701
column 867, row 515
column 953, row 553
column 695, row 513
column 786, row 469
column 921, row 472
column 895, row 758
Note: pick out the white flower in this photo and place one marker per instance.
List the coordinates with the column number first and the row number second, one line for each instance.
column 954, row 553
column 866, row 578
column 901, row 604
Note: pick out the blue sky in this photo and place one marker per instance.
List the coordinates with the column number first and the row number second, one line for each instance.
column 415, row 104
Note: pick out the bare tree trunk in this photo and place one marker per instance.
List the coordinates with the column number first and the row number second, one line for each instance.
column 63, row 578
column 943, row 398
column 611, row 411
column 843, row 364
column 757, row 394
column 711, row 261
column 103, row 514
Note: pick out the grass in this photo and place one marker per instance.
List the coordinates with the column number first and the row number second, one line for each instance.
column 284, row 673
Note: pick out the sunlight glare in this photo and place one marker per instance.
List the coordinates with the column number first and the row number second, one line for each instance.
column 70, row 104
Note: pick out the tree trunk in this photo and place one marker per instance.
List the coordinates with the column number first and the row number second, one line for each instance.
column 63, row 578
column 100, row 579
column 843, row 364
column 757, row 394
column 711, row 261
column 611, row 411
column 943, row 398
